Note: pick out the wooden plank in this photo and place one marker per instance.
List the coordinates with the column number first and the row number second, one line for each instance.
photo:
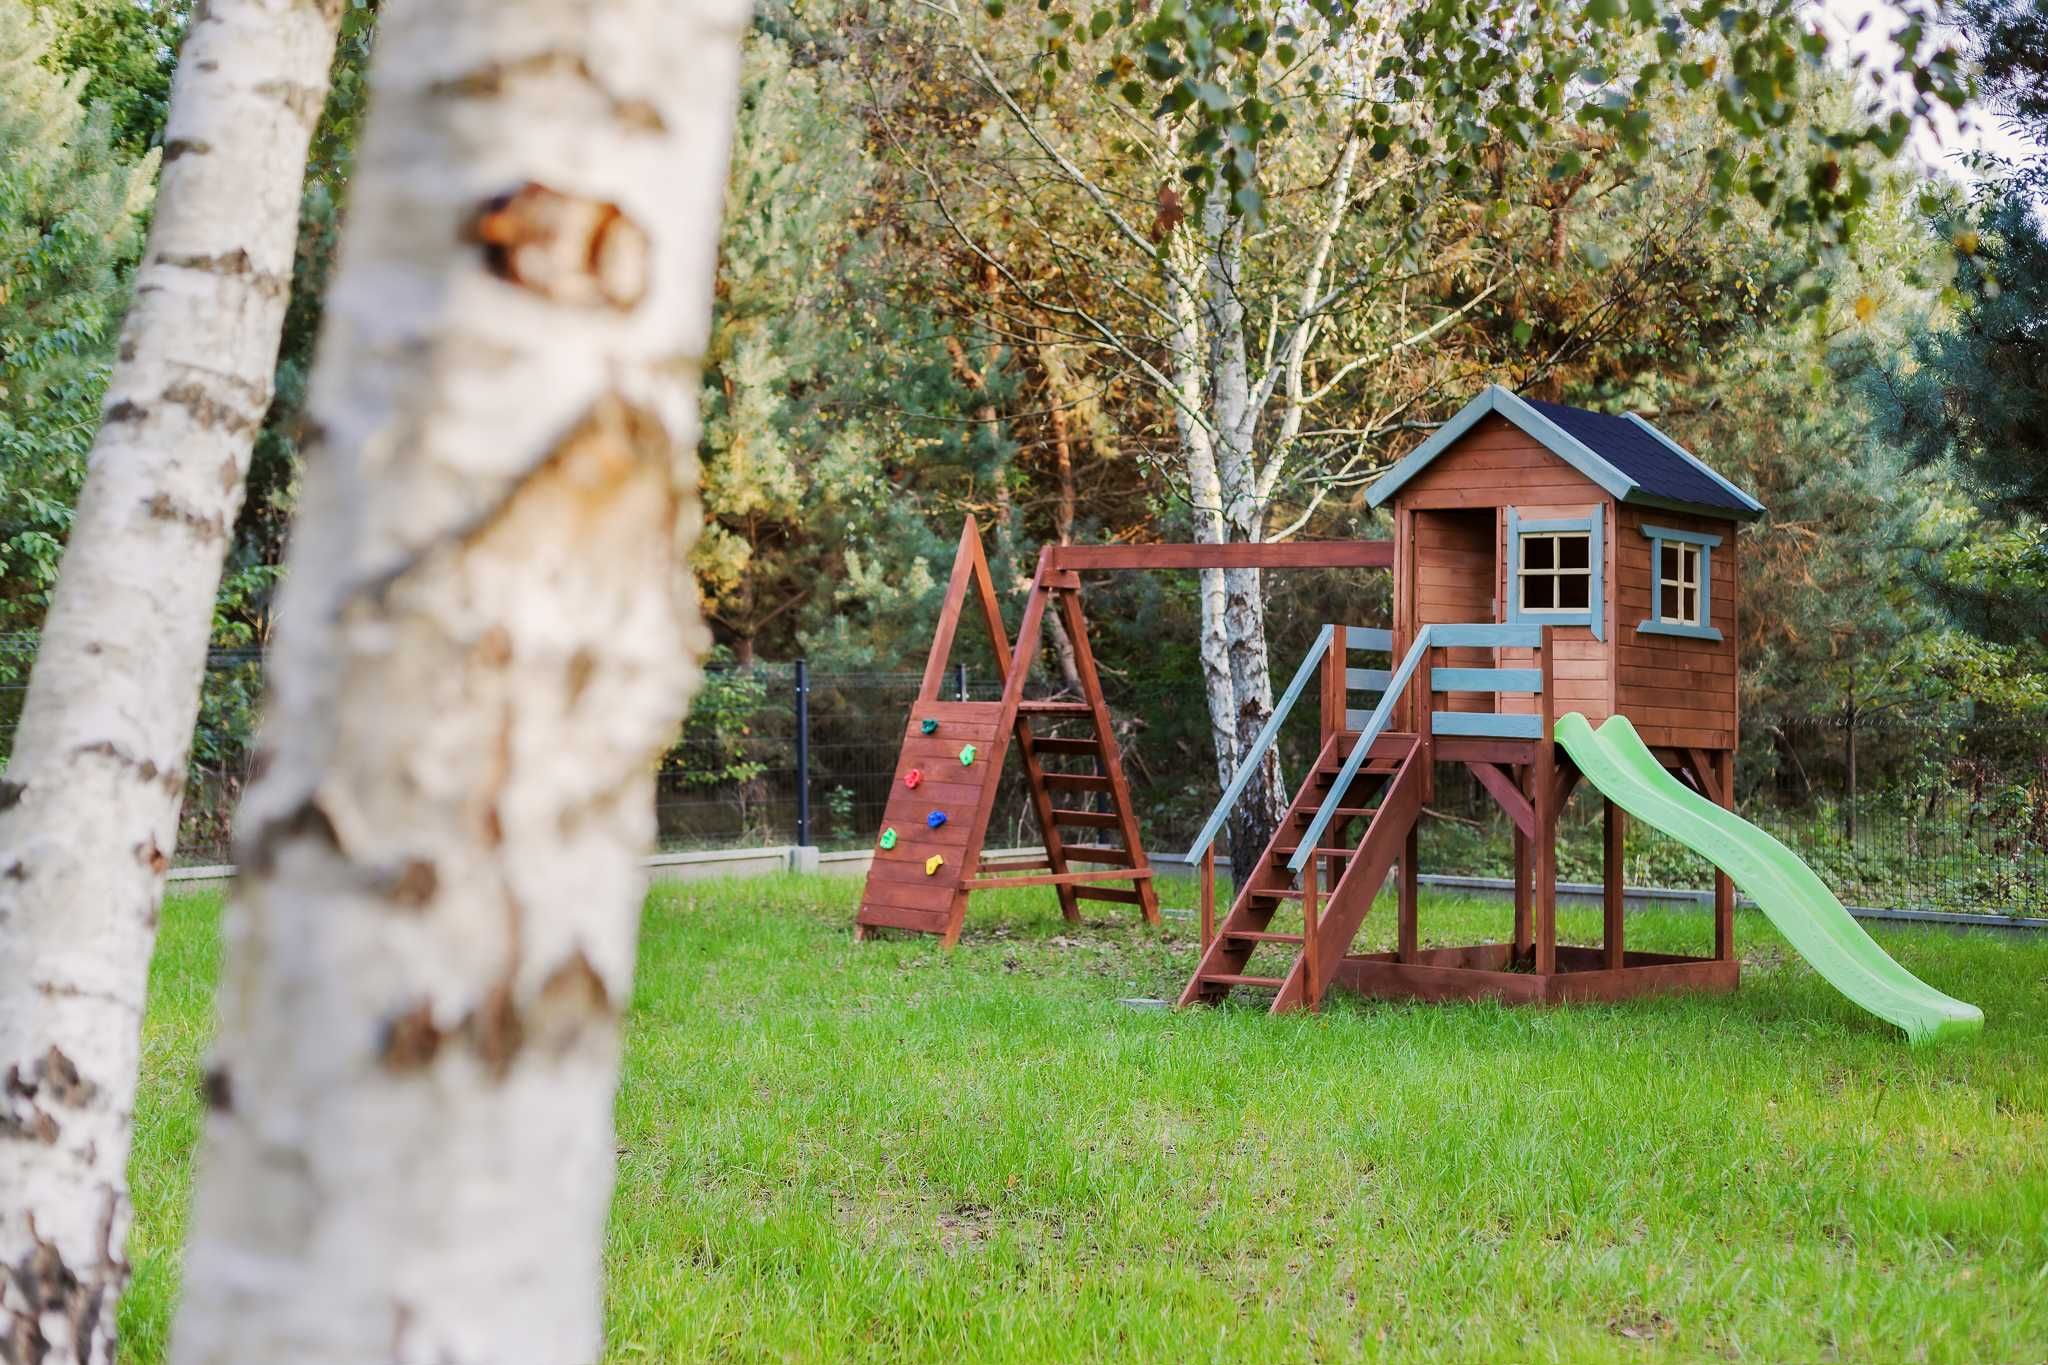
column 1613, row 825
column 1111, row 758
column 931, row 897
column 1485, row 725
column 1055, row 744
column 1080, row 782
column 1096, row 819
column 1486, row 679
column 878, row 916
column 1109, row 893
column 1510, row 798
column 1293, row 554
column 1123, row 874
column 1484, row 635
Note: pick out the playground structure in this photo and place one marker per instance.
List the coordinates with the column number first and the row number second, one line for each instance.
column 1565, row 605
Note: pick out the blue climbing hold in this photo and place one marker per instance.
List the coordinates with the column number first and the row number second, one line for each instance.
column 935, row 819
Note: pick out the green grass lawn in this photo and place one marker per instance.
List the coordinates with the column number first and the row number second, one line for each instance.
column 880, row 1152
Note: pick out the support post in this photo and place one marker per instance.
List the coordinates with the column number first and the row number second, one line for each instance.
column 1724, row 889
column 1309, row 956
column 1544, row 779
column 1524, row 942
column 1336, row 694
column 1613, row 828
column 1208, row 895
column 1404, row 950
column 803, row 754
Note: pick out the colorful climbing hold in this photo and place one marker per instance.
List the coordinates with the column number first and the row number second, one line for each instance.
column 933, row 864
column 929, row 725
column 967, row 757
column 912, row 778
column 935, row 819
column 889, row 837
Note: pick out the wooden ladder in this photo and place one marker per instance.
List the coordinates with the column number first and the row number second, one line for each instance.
column 1382, row 801
column 1073, row 773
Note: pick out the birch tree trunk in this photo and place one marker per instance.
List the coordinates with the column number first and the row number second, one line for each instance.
column 89, row 806
column 489, row 635
column 1234, row 415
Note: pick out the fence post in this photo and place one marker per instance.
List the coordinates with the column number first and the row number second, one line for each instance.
column 959, row 682
column 803, row 754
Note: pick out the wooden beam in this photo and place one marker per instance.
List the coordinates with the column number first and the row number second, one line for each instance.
column 1613, row 827
column 1293, row 554
column 1508, row 795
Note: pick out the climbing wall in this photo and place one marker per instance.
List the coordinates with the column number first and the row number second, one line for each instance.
column 944, row 787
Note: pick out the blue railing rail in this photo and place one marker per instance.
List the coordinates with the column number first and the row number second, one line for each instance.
column 1494, row 724
column 1375, row 726
column 1257, row 753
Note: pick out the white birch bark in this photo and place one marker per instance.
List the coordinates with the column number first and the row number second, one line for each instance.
column 89, row 805
column 488, row 636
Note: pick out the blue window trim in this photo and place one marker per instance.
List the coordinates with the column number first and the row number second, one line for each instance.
column 1657, row 535
column 1595, row 615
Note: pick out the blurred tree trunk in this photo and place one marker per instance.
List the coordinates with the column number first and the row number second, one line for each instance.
column 89, row 806
column 489, row 636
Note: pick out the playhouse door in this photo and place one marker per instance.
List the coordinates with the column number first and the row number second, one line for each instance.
column 1454, row 578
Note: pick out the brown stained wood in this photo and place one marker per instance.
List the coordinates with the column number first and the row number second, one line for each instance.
column 1483, row 957
column 1121, row 895
column 1524, row 942
column 1438, row 978
column 1093, row 819
column 1613, row 826
column 1407, row 927
column 1543, row 783
column 987, row 883
column 1294, row 554
column 878, row 916
column 1027, row 739
column 1703, row 767
column 1724, row 887
column 1077, row 745
column 1111, row 758
column 1078, row 782
column 1456, row 749
column 1509, row 796
column 1208, row 892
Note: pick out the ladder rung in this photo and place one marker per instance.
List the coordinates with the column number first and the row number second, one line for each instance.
column 1095, row 853
column 1054, row 708
column 1054, row 744
column 1333, row 852
column 1087, row 782
column 1232, row 979
column 1098, row 818
column 1108, row 893
column 1260, row 936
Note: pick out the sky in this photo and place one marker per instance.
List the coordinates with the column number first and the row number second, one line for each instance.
column 1948, row 139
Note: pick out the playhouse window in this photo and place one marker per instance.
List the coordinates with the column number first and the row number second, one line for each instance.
column 1556, row 571
column 1678, row 584
column 1682, row 584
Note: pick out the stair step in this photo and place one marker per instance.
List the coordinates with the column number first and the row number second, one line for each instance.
column 1290, row 850
column 1054, row 708
column 1279, row 893
column 1303, row 817
column 1099, row 819
column 1260, row 936
column 1232, row 979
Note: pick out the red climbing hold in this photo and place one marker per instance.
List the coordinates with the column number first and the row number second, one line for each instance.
column 913, row 777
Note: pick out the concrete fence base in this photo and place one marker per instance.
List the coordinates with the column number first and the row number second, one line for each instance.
column 755, row 862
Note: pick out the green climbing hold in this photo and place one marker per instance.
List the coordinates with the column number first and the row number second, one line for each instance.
column 929, row 725
column 967, row 757
column 889, row 837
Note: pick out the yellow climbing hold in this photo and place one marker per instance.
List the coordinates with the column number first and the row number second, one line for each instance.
column 933, row 864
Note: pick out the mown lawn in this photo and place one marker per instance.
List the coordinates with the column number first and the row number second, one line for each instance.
column 882, row 1153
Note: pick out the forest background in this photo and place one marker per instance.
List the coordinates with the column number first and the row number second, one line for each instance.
column 939, row 297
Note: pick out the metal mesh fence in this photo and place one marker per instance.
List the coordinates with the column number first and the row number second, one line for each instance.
column 1900, row 811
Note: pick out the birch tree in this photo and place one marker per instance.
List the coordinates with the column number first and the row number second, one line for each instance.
column 487, row 638
column 89, row 804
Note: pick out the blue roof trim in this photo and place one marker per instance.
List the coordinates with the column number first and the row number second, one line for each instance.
column 1554, row 438
column 1697, row 463
column 1628, row 458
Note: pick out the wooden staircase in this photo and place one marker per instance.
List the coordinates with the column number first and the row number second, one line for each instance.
column 1336, row 887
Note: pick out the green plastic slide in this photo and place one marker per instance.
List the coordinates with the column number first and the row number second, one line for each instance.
column 1614, row 760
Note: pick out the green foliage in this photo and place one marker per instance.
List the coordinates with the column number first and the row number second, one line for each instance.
column 126, row 50
column 71, row 209
column 716, row 748
column 1444, row 92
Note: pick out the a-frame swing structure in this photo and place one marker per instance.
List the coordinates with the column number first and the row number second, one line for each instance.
column 929, row 856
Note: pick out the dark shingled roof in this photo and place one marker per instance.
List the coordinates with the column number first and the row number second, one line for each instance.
column 1660, row 471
